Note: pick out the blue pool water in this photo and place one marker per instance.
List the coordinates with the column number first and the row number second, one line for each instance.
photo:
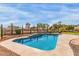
column 40, row 41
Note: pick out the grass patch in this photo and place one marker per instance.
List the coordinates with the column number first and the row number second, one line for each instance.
column 75, row 33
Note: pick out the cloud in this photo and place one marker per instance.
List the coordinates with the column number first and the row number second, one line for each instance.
column 11, row 15
column 68, row 16
column 36, row 13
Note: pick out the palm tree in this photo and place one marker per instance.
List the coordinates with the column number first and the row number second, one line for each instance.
column 43, row 27
column 59, row 23
column 34, row 29
column 1, row 31
column 57, row 26
column 40, row 26
column 28, row 27
column 47, row 27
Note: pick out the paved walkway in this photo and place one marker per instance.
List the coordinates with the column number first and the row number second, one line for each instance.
column 6, row 52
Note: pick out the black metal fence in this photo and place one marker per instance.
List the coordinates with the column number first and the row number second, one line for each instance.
column 13, row 30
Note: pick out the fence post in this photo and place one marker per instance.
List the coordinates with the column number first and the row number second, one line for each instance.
column 30, row 30
column 1, row 31
column 37, row 28
column 22, row 29
column 11, row 28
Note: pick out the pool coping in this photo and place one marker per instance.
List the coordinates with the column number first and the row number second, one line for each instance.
column 20, row 49
column 62, row 47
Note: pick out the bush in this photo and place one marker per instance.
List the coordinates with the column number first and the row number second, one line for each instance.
column 18, row 31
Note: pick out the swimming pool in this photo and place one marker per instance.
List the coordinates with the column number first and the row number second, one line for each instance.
column 40, row 41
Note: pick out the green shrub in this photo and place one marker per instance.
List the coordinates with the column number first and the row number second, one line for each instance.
column 18, row 31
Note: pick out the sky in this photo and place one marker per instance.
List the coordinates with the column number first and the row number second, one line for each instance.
column 20, row 14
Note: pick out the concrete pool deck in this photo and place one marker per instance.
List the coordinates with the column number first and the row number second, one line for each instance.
column 62, row 48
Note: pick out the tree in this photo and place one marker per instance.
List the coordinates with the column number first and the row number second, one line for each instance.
column 59, row 27
column 46, row 27
column 55, row 27
column 1, row 31
column 62, row 29
column 70, row 27
column 59, row 23
column 76, row 28
column 43, row 27
column 28, row 27
column 18, row 31
column 39, row 26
